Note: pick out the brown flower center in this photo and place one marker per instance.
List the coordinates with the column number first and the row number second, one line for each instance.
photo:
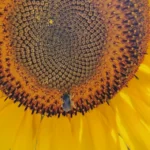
column 59, row 57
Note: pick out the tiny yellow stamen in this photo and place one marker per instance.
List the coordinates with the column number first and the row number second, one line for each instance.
column 51, row 21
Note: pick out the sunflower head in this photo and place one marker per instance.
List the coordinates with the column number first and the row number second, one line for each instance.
column 63, row 57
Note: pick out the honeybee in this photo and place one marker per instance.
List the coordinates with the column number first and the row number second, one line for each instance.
column 68, row 104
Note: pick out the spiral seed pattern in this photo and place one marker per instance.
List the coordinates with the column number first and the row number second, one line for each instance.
column 69, row 56
column 60, row 42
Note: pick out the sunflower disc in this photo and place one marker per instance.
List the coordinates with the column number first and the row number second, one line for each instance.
column 68, row 56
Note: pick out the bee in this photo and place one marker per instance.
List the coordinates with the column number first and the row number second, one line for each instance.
column 68, row 104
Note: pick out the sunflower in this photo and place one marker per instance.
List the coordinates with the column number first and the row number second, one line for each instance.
column 74, row 74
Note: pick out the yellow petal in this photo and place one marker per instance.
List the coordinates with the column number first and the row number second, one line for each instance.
column 80, row 130
column 63, row 135
column 123, row 146
column 130, row 127
column 3, row 102
column 25, row 138
column 103, row 136
column 10, row 120
column 55, row 133
column 140, row 87
column 137, row 100
column 45, row 135
column 145, row 68
column 112, row 129
column 36, row 125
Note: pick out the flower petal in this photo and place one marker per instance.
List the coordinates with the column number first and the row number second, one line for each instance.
column 4, row 103
column 25, row 138
column 55, row 133
column 45, row 135
column 129, row 123
column 81, row 134
column 10, row 119
column 103, row 136
column 112, row 128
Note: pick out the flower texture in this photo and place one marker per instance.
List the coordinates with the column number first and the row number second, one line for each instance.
column 74, row 74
